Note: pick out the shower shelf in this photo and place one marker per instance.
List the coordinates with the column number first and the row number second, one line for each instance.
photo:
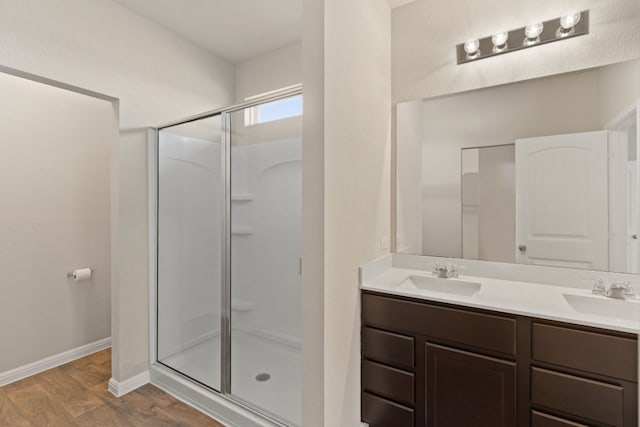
column 242, row 230
column 241, row 197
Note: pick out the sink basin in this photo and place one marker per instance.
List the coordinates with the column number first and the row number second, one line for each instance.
column 603, row 306
column 436, row 284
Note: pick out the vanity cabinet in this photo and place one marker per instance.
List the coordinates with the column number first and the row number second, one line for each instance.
column 468, row 389
column 437, row 365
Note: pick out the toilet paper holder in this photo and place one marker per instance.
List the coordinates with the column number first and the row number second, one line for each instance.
column 74, row 274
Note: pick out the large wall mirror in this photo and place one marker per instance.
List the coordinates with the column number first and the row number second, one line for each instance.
column 542, row 172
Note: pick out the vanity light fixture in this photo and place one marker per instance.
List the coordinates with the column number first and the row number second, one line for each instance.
column 570, row 25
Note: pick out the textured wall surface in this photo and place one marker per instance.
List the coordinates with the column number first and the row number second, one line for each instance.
column 103, row 46
column 158, row 77
column 356, row 184
column 54, row 218
column 425, row 33
column 271, row 71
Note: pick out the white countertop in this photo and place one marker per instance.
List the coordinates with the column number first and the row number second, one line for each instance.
column 521, row 298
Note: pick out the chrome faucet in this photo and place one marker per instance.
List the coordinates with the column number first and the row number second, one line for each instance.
column 446, row 271
column 622, row 290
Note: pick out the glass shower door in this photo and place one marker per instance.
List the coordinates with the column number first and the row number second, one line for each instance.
column 265, row 213
column 191, row 201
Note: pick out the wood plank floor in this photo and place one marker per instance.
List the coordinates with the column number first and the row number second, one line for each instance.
column 76, row 394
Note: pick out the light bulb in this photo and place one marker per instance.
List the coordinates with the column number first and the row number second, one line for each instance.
column 499, row 41
column 570, row 20
column 533, row 31
column 472, row 47
column 567, row 24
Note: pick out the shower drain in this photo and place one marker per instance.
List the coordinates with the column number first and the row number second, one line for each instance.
column 263, row 377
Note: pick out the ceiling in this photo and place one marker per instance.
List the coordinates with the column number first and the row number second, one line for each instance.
column 236, row 30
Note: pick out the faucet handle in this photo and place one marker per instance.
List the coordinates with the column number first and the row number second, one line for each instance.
column 599, row 287
column 436, row 266
column 455, row 269
column 628, row 290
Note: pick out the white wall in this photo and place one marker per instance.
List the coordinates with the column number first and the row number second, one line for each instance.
column 158, row 77
column 497, row 204
column 618, row 89
column 313, row 162
column 346, row 193
column 102, row 46
column 409, row 181
column 470, row 203
column 54, row 186
column 129, row 259
column 426, row 32
column 271, row 71
column 357, row 100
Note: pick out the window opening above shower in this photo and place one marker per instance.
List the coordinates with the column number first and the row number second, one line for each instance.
column 275, row 110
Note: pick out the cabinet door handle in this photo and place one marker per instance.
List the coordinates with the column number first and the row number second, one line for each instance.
column 522, row 248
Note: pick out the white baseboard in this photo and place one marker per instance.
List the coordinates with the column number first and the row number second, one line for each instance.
column 47, row 363
column 119, row 389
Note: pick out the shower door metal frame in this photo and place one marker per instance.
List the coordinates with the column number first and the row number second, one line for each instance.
column 225, row 342
column 226, row 326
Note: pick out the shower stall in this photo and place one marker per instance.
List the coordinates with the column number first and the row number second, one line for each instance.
column 226, row 272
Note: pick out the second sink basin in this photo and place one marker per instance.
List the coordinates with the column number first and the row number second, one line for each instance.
column 436, row 284
column 603, row 306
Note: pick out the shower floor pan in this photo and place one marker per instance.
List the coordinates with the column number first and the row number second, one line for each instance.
column 264, row 373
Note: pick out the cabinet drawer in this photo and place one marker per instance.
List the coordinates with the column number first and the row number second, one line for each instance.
column 379, row 412
column 387, row 347
column 584, row 398
column 483, row 331
column 388, row 382
column 538, row 419
column 586, row 351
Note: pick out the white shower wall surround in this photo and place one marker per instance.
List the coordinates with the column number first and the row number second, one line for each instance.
column 266, row 297
column 191, row 311
column 265, row 212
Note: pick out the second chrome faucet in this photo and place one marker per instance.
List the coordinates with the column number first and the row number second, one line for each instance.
column 622, row 290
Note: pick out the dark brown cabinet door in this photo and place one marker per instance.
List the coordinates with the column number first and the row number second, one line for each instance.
column 465, row 389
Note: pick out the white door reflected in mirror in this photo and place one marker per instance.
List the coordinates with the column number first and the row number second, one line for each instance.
column 561, row 200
